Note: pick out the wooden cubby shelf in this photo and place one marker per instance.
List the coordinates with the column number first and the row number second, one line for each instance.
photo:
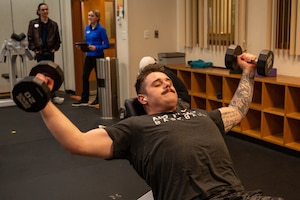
column 274, row 113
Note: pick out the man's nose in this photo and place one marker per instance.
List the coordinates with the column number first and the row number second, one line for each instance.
column 167, row 83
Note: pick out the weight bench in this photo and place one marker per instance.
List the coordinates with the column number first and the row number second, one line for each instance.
column 133, row 107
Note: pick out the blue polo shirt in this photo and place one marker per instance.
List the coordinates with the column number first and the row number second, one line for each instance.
column 97, row 37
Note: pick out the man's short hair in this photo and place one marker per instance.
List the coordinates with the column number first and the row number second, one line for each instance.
column 139, row 84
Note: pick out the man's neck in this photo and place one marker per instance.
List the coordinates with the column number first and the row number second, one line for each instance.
column 150, row 111
column 44, row 19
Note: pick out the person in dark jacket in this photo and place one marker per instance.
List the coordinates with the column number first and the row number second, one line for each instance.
column 43, row 39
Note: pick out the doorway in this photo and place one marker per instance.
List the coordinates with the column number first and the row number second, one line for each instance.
column 80, row 9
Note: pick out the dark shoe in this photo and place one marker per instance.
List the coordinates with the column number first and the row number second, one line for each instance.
column 94, row 103
column 80, row 103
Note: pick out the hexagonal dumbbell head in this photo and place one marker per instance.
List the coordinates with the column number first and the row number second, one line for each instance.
column 230, row 57
column 50, row 69
column 31, row 94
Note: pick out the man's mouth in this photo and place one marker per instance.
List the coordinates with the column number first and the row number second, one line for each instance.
column 168, row 90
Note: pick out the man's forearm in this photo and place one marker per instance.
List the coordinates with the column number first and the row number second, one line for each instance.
column 239, row 105
column 244, row 93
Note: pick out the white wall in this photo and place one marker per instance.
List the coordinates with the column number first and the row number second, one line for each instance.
column 144, row 15
column 67, row 54
column 123, row 55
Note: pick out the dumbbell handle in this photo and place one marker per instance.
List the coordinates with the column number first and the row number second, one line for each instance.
column 252, row 61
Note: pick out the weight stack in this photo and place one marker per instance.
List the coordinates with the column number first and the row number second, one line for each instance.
column 107, row 79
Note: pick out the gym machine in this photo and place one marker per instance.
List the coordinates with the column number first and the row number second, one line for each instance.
column 12, row 48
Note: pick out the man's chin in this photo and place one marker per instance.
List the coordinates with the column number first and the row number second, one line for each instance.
column 172, row 104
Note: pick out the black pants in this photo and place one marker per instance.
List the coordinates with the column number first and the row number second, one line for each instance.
column 45, row 56
column 90, row 63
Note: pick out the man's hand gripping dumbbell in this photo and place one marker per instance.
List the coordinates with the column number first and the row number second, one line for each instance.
column 34, row 92
column 264, row 63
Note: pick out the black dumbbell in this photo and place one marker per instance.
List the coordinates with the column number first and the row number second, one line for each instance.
column 264, row 63
column 32, row 94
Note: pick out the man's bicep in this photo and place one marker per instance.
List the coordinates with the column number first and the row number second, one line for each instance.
column 98, row 143
column 230, row 116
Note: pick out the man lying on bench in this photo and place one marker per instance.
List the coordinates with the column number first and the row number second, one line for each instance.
column 181, row 155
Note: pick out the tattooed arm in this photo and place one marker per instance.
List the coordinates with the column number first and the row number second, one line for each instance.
column 239, row 105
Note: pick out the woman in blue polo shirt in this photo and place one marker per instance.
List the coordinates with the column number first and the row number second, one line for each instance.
column 97, row 40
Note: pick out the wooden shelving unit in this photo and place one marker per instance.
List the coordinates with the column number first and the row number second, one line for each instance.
column 274, row 114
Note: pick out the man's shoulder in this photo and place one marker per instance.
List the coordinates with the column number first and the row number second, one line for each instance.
column 52, row 21
column 36, row 20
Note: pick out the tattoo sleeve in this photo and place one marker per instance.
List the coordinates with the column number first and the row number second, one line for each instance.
column 239, row 105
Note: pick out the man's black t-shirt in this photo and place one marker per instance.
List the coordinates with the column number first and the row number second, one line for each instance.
column 180, row 155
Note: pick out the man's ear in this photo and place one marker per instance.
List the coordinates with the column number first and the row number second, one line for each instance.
column 142, row 99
